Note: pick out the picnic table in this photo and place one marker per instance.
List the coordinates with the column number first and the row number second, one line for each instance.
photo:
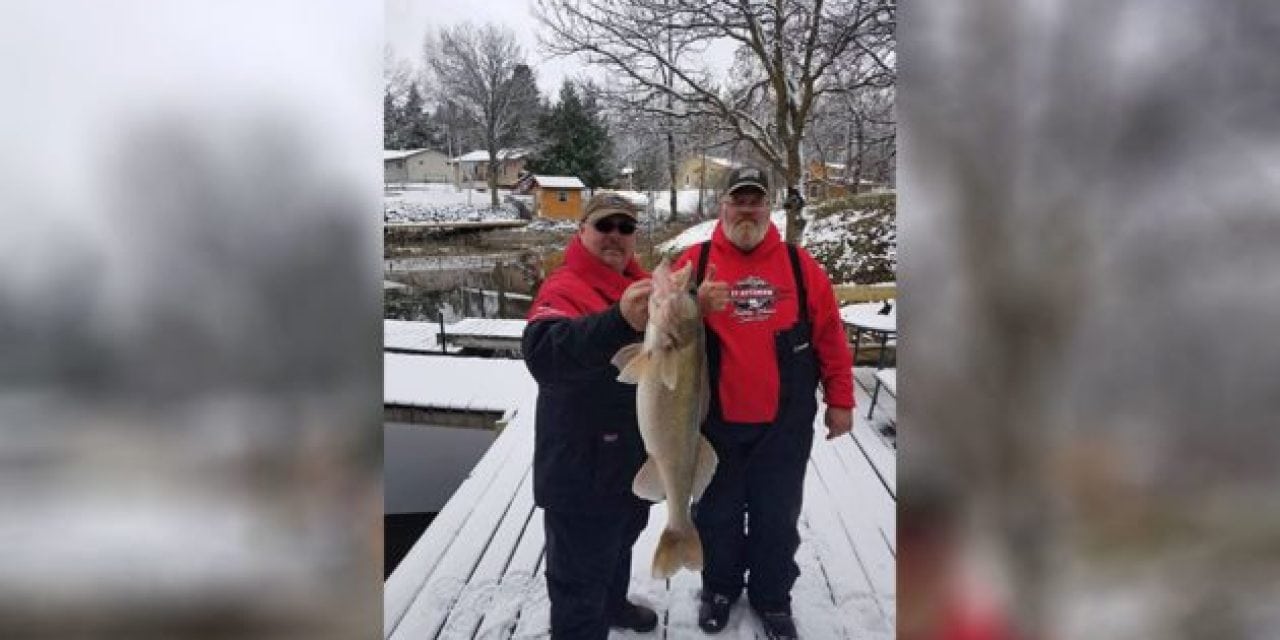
column 869, row 318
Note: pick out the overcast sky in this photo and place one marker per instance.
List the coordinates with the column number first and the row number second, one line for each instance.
column 408, row 20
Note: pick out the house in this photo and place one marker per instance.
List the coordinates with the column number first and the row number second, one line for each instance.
column 826, row 180
column 472, row 169
column 704, row 172
column 558, row 197
column 414, row 165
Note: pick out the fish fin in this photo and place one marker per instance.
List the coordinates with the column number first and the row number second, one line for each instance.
column 705, row 468
column 669, row 367
column 677, row 549
column 648, row 483
column 631, row 362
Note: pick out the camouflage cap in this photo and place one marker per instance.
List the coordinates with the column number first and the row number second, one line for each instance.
column 609, row 203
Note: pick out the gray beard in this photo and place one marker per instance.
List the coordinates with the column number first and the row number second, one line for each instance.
column 745, row 236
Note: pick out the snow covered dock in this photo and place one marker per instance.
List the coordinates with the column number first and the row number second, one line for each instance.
column 477, row 571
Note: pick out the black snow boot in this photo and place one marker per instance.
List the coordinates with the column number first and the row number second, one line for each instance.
column 778, row 625
column 634, row 617
column 713, row 612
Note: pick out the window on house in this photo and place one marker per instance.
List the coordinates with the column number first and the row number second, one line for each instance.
column 563, row 196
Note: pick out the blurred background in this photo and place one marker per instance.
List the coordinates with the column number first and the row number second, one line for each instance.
column 1091, row 289
column 190, row 373
column 189, row 306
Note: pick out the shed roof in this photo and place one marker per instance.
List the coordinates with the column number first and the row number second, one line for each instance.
column 559, row 182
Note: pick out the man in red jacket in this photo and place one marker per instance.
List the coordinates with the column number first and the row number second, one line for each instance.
column 777, row 337
column 587, row 446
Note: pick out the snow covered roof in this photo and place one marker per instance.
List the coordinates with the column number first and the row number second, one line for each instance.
column 481, row 155
column 559, row 182
column 724, row 162
column 398, row 154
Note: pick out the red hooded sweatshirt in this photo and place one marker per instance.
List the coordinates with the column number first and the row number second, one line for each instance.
column 584, row 285
column 762, row 301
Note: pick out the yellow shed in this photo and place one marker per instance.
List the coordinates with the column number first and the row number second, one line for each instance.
column 558, row 197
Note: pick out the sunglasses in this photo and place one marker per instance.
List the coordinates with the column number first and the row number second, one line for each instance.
column 607, row 225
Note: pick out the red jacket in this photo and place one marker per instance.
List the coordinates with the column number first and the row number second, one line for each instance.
column 762, row 301
column 584, row 285
column 587, row 446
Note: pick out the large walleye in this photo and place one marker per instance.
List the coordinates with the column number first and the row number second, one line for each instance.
column 670, row 367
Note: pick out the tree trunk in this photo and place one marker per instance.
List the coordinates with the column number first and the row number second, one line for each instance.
column 671, row 170
column 860, row 155
column 794, row 170
column 702, row 185
column 493, row 180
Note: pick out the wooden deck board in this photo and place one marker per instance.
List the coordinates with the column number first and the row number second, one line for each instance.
column 478, row 570
column 447, row 585
column 412, row 573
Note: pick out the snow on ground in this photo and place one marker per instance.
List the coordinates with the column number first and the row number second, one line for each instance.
column 702, row 232
column 431, row 202
column 443, row 203
column 475, row 572
column 686, row 201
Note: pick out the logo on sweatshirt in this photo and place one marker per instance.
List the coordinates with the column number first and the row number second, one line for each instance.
column 753, row 299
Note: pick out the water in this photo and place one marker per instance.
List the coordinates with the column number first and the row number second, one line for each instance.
column 497, row 285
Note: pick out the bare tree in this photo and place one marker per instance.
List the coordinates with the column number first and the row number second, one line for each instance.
column 791, row 49
column 475, row 69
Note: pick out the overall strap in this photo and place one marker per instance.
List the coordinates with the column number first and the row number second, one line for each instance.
column 801, row 292
column 704, row 250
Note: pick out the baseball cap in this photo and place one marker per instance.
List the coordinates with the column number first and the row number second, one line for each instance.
column 746, row 178
column 609, row 203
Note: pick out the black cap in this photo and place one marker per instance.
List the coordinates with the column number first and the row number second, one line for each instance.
column 746, row 178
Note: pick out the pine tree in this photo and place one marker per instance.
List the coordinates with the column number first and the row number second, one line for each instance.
column 392, row 121
column 576, row 140
column 527, row 107
column 414, row 128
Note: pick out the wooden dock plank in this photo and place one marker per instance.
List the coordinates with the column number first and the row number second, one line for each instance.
column 848, row 583
column 484, row 584
column 518, row 582
column 415, row 569
column 868, row 493
column 445, row 585
column 481, row 575
column 862, row 534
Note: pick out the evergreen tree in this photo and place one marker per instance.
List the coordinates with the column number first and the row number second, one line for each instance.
column 576, row 140
column 415, row 130
column 527, row 107
column 392, row 121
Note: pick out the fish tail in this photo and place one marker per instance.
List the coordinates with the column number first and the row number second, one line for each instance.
column 677, row 549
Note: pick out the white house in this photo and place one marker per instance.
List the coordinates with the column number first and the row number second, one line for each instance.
column 472, row 169
column 414, row 165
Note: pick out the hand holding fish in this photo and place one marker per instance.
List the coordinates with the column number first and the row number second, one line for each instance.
column 635, row 304
column 713, row 295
